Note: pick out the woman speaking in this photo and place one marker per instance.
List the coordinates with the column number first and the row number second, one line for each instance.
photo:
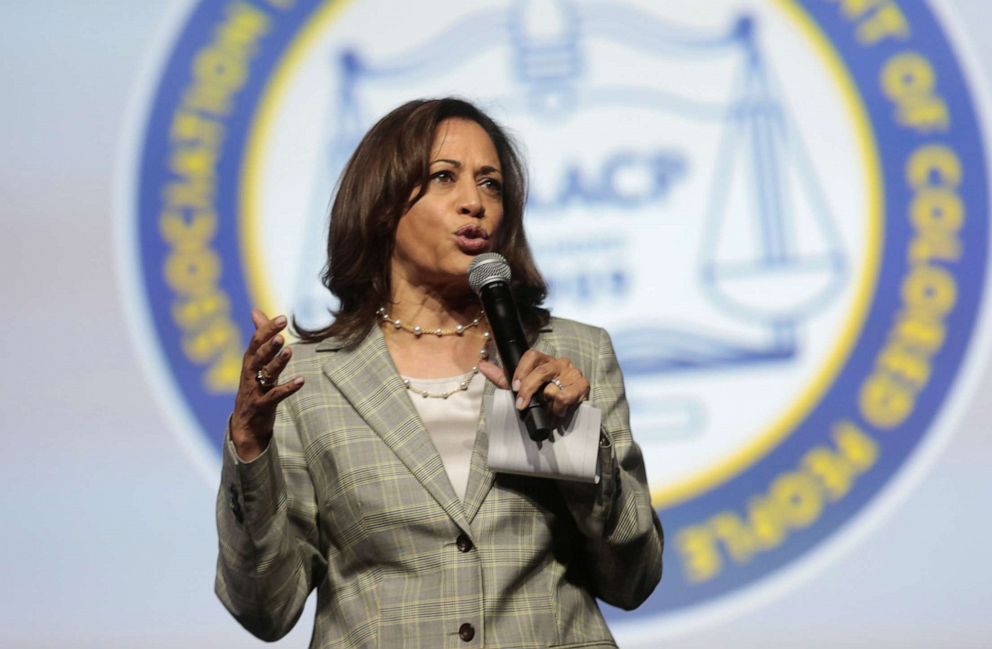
column 357, row 459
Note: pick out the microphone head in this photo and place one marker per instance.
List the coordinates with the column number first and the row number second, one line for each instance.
column 487, row 268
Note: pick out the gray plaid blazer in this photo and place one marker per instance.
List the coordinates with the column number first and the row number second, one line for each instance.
column 351, row 498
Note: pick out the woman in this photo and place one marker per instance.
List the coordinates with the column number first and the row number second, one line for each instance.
column 357, row 459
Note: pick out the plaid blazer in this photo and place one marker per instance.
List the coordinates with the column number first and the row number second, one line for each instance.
column 351, row 498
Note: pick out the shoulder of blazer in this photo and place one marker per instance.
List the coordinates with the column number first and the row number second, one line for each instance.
column 333, row 344
column 566, row 329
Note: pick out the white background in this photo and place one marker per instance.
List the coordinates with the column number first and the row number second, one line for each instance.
column 106, row 526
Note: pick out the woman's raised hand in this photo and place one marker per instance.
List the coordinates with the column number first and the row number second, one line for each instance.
column 259, row 391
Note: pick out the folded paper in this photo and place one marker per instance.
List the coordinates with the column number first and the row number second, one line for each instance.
column 570, row 454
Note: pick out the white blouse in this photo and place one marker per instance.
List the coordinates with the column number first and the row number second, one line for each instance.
column 451, row 422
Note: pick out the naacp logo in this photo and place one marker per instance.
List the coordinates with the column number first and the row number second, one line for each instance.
column 778, row 210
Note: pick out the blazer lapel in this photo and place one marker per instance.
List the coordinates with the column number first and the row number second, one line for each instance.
column 480, row 478
column 367, row 378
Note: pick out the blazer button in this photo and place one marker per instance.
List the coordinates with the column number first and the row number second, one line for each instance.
column 464, row 543
column 466, row 632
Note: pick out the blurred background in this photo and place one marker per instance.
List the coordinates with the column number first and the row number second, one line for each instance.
column 107, row 501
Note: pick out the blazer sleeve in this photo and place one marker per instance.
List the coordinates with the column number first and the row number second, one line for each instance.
column 622, row 535
column 269, row 558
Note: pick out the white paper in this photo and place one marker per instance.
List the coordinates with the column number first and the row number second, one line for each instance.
column 571, row 453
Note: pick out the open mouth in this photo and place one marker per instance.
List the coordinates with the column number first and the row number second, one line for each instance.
column 472, row 239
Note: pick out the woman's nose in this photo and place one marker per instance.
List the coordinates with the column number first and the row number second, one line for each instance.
column 470, row 202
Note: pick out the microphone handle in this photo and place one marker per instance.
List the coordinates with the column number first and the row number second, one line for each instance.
column 504, row 320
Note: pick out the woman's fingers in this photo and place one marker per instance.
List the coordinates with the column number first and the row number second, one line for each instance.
column 265, row 329
column 562, row 385
column 260, row 391
column 275, row 364
column 274, row 395
column 533, row 371
column 566, row 391
column 264, row 346
column 266, row 353
column 494, row 373
column 531, row 359
column 258, row 318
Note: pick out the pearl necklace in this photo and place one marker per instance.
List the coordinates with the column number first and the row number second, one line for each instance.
column 459, row 330
column 418, row 331
column 462, row 385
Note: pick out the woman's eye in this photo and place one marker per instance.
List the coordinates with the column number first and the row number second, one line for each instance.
column 492, row 185
column 443, row 176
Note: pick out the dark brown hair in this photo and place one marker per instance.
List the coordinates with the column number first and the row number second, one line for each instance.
column 374, row 192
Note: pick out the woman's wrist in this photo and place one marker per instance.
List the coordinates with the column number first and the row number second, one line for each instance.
column 246, row 446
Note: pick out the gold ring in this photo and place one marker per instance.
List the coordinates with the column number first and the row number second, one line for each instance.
column 264, row 380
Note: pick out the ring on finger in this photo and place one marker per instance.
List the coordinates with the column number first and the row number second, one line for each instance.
column 264, row 380
column 558, row 384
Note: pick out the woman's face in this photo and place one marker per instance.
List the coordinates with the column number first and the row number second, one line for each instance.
column 457, row 217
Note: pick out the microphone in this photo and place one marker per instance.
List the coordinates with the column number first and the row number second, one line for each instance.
column 489, row 277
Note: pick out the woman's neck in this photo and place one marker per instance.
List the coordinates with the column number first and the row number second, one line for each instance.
column 434, row 356
column 432, row 309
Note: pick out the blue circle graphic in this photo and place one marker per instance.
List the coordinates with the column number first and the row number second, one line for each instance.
column 752, row 525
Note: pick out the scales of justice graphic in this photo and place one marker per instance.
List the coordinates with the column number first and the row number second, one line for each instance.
column 766, row 253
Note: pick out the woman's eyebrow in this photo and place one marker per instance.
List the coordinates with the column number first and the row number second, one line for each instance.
column 485, row 169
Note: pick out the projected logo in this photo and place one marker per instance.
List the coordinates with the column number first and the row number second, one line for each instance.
column 778, row 209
